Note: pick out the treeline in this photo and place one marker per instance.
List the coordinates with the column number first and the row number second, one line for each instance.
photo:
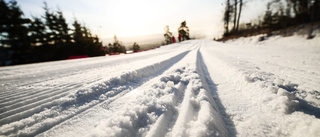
column 280, row 14
column 115, row 48
column 45, row 38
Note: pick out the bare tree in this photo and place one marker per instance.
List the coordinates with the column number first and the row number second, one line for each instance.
column 235, row 15
column 240, row 9
column 226, row 17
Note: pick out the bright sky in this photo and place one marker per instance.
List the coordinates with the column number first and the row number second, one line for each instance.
column 140, row 17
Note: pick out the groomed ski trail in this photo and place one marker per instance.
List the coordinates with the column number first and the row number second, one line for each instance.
column 170, row 104
column 192, row 88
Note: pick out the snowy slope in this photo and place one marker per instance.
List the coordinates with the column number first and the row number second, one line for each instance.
column 193, row 88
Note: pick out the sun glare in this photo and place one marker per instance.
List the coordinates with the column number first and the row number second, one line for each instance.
column 131, row 19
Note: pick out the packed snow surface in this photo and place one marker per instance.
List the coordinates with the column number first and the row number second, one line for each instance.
column 193, row 88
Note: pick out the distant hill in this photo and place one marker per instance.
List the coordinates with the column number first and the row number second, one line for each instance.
column 148, row 41
column 144, row 41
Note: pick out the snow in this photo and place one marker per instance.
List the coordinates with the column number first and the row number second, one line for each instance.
column 194, row 88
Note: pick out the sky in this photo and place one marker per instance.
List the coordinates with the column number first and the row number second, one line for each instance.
column 124, row 18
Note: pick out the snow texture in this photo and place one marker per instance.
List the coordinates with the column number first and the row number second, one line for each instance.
column 193, row 88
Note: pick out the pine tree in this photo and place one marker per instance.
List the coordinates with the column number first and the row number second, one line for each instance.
column 87, row 41
column 38, row 32
column 58, row 28
column 98, row 50
column 4, row 22
column 50, row 21
column 78, row 38
column 13, row 31
column 63, row 29
column 84, row 43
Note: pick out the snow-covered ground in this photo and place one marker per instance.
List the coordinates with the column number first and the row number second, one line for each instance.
column 194, row 88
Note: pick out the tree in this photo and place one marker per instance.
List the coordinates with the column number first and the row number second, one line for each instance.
column 50, row 21
column 305, row 10
column 267, row 19
column 78, row 38
column 37, row 30
column 58, row 28
column 98, row 49
column 117, row 47
column 235, row 15
column 84, row 43
column 135, row 47
column 239, row 15
column 26, row 41
column 63, row 29
column 13, row 31
column 226, row 17
column 232, row 11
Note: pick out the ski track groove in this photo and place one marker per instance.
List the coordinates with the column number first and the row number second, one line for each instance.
column 166, row 62
column 187, row 113
column 161, row 127
column 185, row 116
column 178, row 119
column 172, row 111
column 181, row 102
column 226, row 122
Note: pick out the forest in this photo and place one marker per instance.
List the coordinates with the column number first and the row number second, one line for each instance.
column 280, row 15
column 45, row 38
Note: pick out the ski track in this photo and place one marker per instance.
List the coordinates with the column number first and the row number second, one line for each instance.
column 40, row 104
column 193, row 88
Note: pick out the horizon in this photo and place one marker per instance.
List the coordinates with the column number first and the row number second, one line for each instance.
column 156, row 38
column 127, row 18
